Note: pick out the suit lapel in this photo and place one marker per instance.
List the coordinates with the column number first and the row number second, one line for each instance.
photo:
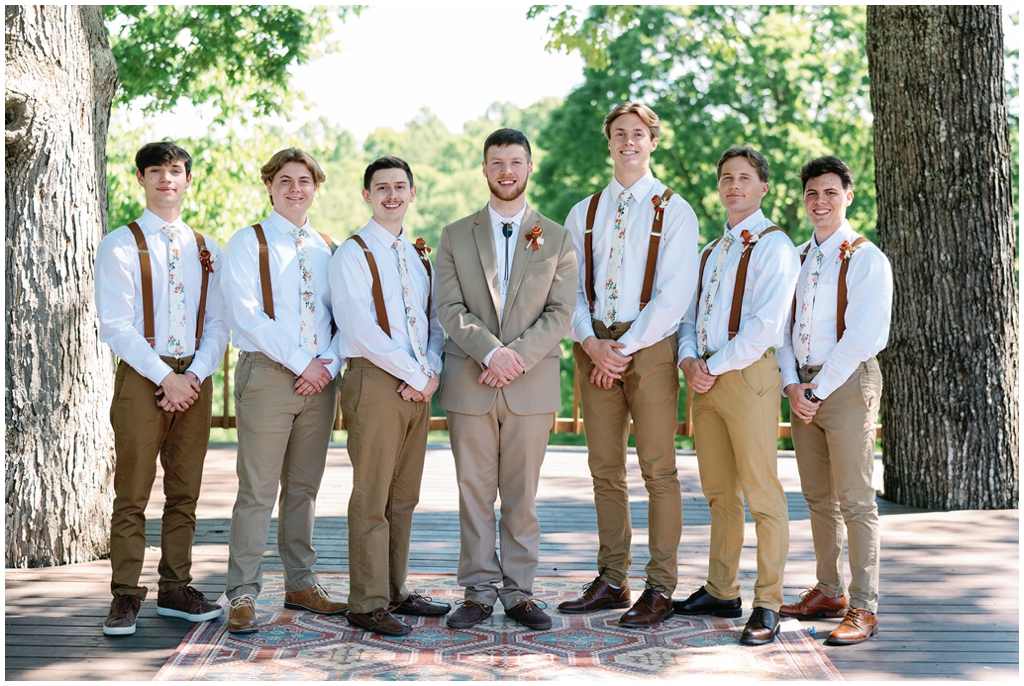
column 522, row 254
column 484, row 237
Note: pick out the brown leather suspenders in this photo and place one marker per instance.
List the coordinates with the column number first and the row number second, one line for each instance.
column 378, row 291
column 652, row 250
column 841, row 302
column 265, row 285
column 146, row 274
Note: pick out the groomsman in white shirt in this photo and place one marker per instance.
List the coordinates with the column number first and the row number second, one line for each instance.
column 636, row 244
column 381, row 284
column 162, row 312
column 839, row 323
column 279, row 303
column 727, row 343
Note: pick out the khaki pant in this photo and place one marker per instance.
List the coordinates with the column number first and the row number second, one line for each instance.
column 498, row 453
column 142, row 431
column 735, row 435
column 649, row 392
column 282, row 438
column 835, row 454
column 387, row 443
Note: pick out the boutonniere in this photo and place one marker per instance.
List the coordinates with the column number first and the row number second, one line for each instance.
column 749, row 239
column 659, row 204
column 207, row 259
column 535, row 238
column 422, row 248
column 845, row 252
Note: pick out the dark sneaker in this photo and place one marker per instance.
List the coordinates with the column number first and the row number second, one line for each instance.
column 380, row 621
column 529, row 614
column 469, row 614
column 185, row 602
column 124, row 612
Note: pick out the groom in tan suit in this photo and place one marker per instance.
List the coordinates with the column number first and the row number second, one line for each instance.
column 506, row 285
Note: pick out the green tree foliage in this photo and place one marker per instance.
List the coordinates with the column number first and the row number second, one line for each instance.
column 789, row 81
column 234, row 58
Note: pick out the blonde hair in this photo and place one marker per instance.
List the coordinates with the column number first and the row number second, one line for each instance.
column 646, row 114
column 288, row 155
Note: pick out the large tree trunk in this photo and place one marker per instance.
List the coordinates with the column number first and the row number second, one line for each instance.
column 60, row 80
column 945, row 219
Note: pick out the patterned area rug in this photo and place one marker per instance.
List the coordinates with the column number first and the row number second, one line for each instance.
column 295, row 645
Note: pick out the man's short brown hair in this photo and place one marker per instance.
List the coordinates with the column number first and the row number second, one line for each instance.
column 283, row 157
column 646, row 114
column 756, row 159
column 829, row 164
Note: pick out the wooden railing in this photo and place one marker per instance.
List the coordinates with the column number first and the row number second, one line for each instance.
column 573, row 424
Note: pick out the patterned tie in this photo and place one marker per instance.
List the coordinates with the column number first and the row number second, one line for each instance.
column 410, row 313
column 709, row 298
column 802, row 343
column 307, row 295
column 177, row 309
column 611, row 286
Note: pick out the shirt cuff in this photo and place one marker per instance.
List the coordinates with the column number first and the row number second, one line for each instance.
column 487, row 357
column 158, row 371
column 298, row 362
column 419, row 380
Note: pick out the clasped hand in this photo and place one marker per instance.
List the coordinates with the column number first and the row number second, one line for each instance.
column 609, row 363
column 503, row 368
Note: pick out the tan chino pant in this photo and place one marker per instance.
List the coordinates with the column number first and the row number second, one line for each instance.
column 649, row 393
column 387, row 443
column 282, row 439
column 835, row 454
column 735, row 435
column 141, row 432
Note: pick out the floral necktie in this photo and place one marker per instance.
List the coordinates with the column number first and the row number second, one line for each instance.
column 410, row 313
column 709, row 297
column 177, row 309
column 802, row 344
column 611, row 286
column 307, row 295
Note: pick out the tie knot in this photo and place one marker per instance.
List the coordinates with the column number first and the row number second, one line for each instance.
column 729, row 238
column 170, row 231
column 625, row 196
column 399, row 246
column 297, row 234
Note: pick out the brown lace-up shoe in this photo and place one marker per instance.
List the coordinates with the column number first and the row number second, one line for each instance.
column 652, row 607
column 421, row 606
column 469, row 614
column 186, row 602
column 315, row 598
column 813, row 603
column 858, row 626
column 529, row 614
column 124, row 612
column 597, row 595
column 242, row 615
column 380, row 621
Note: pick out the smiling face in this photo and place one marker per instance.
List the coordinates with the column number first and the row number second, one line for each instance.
column 165, row 186
column 631, row 144
column 292, row 191
column 740, row 188
column 389, row 196
column 508, row 169
column 825, row 201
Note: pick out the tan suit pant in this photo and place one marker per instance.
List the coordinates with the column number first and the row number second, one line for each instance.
column 141, row 432
column 649, row 393
column 282, row 439
column 387, row 443
column 735, row 435
column 498, row 453
column 835, row 454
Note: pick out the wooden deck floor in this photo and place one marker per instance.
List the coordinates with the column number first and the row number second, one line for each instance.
column 949, row 581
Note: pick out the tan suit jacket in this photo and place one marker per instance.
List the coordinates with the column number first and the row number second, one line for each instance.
column 540, row 300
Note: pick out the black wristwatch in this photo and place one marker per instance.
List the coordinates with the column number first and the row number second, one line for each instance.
column 809, row 394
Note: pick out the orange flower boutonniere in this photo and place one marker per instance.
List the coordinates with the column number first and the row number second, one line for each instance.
column 659, row 204
column 845, row 252
column 422, row 248
column 749, row 238
column 534, row 238
column 207, row 259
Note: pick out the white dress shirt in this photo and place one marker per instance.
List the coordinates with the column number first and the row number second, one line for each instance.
column 674, row 280
column 352, row 292
column 278, row 338
column 119, row 299
column 767, row 297
column 868, row 312
column 497, row 232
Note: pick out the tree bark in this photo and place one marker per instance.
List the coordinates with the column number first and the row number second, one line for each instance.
column 945, row 219
column 60, row 81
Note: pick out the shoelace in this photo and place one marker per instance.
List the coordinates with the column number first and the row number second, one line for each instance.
column 321, row 591
column 243, row 600
column 648, row 595
column 467, row 603
column 195, row 595
column 532, row 604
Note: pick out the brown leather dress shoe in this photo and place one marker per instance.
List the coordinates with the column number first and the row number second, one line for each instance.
column 597, row 595
column 650, row 609
column 315, row 599
column 701, row 602
column 858, row 626
column 761, row 628
column 186, row 602
column 813, row 603
column 469, row 614
column 530, row 615
column 123, row 614
column 242, row 615
column 420, row 606
column 380, row 621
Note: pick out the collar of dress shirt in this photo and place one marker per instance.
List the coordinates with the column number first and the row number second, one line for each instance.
column 383, row 236
column 640, row 190
column 749, row 224
column 497, row 220
column 151, row 224
column 843, row 233
column 284, row 226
